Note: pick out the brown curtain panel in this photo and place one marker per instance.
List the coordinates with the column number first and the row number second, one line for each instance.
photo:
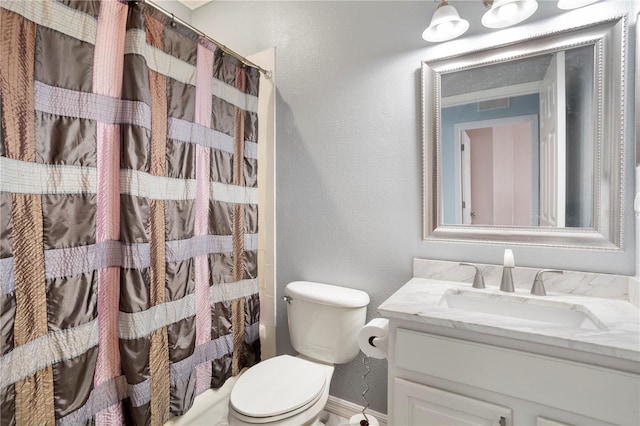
column 128, row 214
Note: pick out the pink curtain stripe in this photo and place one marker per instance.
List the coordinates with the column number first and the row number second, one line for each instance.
column 108, row 61
column 204, row 77
column 204, row 74
column 107, row 80
column 108, row 162
column 203, row 321
column 203, row 317
column 202, row 191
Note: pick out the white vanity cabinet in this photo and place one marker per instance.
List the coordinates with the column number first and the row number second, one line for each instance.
column 439, row 380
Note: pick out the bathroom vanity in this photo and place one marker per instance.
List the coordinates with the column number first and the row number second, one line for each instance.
column 459, row 355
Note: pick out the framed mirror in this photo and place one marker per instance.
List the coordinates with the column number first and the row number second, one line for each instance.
column 523, row 142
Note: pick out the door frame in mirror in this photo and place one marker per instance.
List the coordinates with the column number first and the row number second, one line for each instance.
column 609, row 38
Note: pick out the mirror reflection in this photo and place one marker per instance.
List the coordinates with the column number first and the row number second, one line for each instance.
column 518, row 140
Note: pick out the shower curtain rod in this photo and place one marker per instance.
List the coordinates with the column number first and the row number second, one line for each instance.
column 267, row 73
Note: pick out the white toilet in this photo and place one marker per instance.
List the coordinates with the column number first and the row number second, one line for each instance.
column 324, row 321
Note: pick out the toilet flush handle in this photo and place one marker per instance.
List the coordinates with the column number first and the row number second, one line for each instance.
column 287, row 299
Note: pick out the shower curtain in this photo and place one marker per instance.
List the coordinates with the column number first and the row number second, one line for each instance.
column 128, row 214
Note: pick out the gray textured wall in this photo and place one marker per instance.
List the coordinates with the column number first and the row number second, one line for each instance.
column 349, row 153
column 172, row 6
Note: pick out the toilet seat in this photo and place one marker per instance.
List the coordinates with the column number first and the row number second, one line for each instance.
column 274, row 389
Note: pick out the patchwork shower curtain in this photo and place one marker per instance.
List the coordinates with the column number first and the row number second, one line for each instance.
column 128, row 214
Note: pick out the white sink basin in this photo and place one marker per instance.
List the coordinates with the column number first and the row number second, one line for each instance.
column 522, row 307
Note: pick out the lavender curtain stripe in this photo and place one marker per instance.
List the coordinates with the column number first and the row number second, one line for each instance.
column 141, row 184
column 225, row 292
column 103, row 396
column 92, row 106
column 141, row 324
column 57, row 16
column 140, row 393
column 250, row 149
column 188, row 132
column 202, row 245
column 157, row 60
column 250, row 242
column 78, row 260
column 136, row 256
column 234, row 96
column 23, row 177
column 7, row 278
column 199, row 245
column 234, row 193
column 252, row 332
column 207, row 352
column 54, row 347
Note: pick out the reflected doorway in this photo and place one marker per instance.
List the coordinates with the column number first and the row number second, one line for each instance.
column 498, row 171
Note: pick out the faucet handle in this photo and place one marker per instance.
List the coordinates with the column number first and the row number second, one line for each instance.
column 538, row 284
column 478, row 280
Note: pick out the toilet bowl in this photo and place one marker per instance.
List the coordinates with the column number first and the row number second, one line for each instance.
column 324, row 321
column 284, row 390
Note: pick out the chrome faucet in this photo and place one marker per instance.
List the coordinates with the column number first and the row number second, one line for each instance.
column 538, row 285
column 506, row 284
column 478, row 279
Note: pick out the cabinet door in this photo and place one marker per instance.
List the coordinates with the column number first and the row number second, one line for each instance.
column 416, row 404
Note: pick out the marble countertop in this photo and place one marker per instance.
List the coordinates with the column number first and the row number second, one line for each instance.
column 420, row 300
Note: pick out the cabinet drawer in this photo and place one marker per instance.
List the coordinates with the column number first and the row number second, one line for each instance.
column 571, row 386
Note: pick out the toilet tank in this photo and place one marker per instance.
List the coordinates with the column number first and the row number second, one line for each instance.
column 324, row 320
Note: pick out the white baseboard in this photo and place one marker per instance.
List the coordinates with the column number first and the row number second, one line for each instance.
column 346, row 409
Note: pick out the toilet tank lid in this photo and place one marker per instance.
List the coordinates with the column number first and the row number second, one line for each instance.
column 327, row 294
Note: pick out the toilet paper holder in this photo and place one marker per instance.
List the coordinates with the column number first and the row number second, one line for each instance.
column 381, row 342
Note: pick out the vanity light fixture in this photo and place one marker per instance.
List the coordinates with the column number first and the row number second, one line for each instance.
column 504, row 13
column 574, row 4
column 445, row 24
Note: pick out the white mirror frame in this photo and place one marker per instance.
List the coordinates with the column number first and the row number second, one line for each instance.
column 610, row 40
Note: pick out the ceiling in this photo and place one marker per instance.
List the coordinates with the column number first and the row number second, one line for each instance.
column 493, row 76
column 471, row 10
column 194, row 4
